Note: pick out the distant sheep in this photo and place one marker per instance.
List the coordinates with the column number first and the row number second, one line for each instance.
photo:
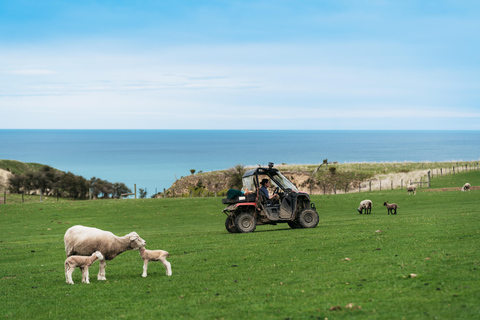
column 365, row 205
column 84, row 241
column 466, row 187
column 412, row 189
column 83, row 262
column 154, row 255
column 392, row 208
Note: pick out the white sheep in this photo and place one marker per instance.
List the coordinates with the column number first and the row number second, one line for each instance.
column 412, row 189
column 466, row 187
column 155, row 255
column 367, row 205
column 83, row 262
column 84, row 241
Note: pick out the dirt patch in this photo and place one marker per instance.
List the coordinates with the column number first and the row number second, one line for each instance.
column 449, row 189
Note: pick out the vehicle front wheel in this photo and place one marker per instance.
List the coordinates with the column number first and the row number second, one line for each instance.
column 308, row 218
column 230, row 225
column 245, row 223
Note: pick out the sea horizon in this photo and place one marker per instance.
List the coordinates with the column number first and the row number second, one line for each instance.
column 154, row 158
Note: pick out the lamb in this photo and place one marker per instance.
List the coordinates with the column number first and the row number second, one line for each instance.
column 83, row 262
column 390, row 207
column 367, row 205
column 412, row 189
column 154, row 255
column 466, row 187
column 83, row 241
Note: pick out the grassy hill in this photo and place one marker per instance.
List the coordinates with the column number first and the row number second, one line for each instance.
column 19, row 167
column 419, row 264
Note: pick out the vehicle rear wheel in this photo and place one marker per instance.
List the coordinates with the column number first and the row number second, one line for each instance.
column 230, row 225
column 245, row 223
column 308, row 218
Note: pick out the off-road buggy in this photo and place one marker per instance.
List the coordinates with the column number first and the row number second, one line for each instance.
column 246, row 211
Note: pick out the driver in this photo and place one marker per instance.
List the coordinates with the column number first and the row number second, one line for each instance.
column 266, row 184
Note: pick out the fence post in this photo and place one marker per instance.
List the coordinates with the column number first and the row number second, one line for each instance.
column 380, row 184
column 392, row 184
column 453, row 170
column 429, row 179
column 5, row 197
column 324, row 188
column 370, row 185
column 335, row 188
column 359, row 184
column 401, row 184
column 441, row 172
column 346, row 186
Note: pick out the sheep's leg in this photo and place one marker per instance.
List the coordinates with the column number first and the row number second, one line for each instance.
column 101, row 270
column 68, row 274
column 167, row 265
column 145, row 266
column 85, row 275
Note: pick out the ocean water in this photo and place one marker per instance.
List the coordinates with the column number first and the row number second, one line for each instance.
column 153, row 159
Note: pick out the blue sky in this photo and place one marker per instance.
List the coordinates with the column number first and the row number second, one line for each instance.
column 338, row 64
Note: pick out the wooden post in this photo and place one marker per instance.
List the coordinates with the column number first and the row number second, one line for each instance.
column 392, row 184
column 370, row 185
column 429, row 179
column 401, row 184
column 164, row 193
column 441, row 172
column 453, row 170
column 359, row 184
column 380, row 184
column 135, row 186
column 335, row 188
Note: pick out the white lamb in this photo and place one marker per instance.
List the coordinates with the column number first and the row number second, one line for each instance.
column 83, row 262
column 412, row 189
column 84, row 241
column 367, row 205
column 466, row 187
column 154, row 255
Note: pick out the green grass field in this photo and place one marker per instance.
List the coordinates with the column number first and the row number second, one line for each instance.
column 274, row 273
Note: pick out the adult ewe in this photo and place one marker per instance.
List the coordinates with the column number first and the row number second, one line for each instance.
column 412, row 189
column 391, row 208
column 466, row 187
column 365, row 205
column 84, row 241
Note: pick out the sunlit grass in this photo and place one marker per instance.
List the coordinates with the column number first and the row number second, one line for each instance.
column 274, row 273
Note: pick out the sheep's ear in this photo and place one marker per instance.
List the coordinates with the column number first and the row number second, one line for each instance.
column 133, row 238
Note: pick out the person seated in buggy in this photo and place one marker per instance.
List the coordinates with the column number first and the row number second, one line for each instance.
column 264, row 189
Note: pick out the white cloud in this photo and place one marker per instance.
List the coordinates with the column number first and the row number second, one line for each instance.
column 31, row 72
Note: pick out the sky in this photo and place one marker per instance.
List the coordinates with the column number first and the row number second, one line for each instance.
column 271, row 64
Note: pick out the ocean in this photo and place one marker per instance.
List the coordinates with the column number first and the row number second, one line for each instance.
column 154, row 159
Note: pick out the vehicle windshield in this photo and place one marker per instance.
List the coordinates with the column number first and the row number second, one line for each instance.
column 284, row 182
column 277, row 179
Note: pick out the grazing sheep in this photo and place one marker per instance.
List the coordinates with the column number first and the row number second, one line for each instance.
column 83, row 262
column 412, row 189
column 154, row 255
column 84, row 241
column 390, row 207
column 466, row 187
column 367, row 205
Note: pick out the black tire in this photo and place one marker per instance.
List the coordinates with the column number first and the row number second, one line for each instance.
column 293, row 225
column 308, row 218
column 230, row 225
column 245, row 223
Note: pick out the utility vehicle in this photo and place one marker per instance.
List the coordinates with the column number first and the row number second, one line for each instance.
column 247, row 210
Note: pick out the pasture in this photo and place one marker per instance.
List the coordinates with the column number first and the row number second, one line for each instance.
column 422, row 263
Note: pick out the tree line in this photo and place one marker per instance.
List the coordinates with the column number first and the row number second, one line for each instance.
column 50, row 181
